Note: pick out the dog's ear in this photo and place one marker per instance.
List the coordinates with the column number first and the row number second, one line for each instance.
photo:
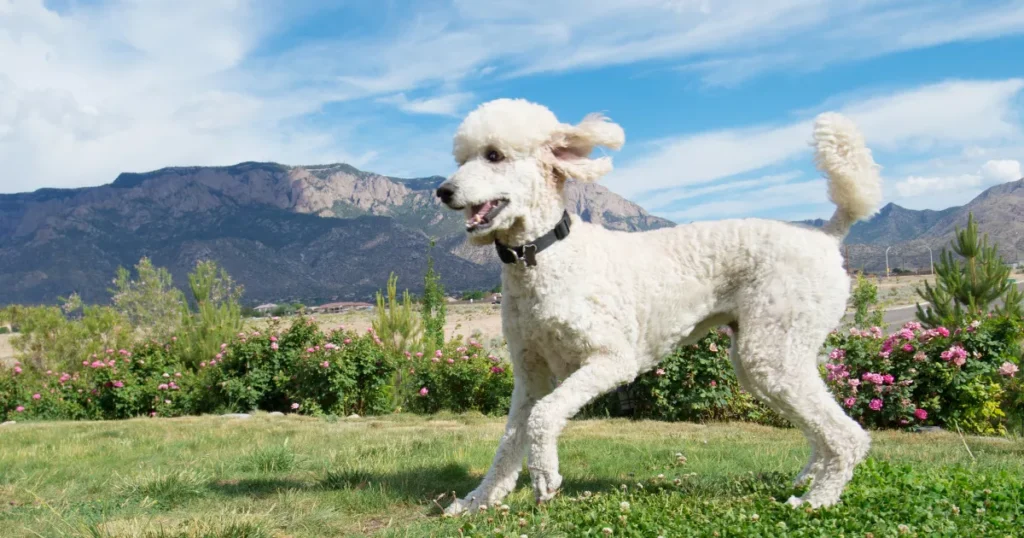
column 571, row 146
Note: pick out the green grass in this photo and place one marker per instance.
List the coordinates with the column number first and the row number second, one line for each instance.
column 302, row 477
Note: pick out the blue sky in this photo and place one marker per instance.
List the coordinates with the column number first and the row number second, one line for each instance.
column 716, row 97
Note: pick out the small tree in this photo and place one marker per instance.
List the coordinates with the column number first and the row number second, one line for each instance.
column 396, row 324
column 434, row 306
column 150, row 301
column 966, row 287
column 864, row 297
column 217, row 317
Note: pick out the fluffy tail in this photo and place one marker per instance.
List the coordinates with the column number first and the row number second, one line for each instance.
column 853, row 181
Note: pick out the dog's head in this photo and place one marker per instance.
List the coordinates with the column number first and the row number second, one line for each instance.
column 514, row 158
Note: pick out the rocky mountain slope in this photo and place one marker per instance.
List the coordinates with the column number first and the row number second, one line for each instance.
column 312, row 233
column 999, row 212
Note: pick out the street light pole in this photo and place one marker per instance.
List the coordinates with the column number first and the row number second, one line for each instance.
column 887, row 261
column 931, row 260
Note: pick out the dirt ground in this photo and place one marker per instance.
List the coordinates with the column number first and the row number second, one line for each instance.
column 6, row 352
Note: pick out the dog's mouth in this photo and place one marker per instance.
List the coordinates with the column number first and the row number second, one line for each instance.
column 482, row 215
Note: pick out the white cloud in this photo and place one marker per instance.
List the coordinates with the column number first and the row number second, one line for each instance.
column 444, row 105
column 993, row 172
column 945, row 115
column 1002, row 171
column 112, row 85
column 761, row 201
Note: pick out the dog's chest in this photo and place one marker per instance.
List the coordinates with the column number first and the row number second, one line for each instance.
column 551, row 326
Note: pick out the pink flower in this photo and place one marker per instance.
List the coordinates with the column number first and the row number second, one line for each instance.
column 849, row 402
column 419, row 354
column 713, row 383
column 162, row 386
column 274, row 346
column 451, row 361
column 325, row 364
column 424, row 391
column 17, row 370
column 347, row 341
column 942, row 331
column 497, row 369
column 438, row 354
column 310, row 350
column 177, row 374
column 202, row 364
column 920, row 356
column 837, row 354
column 875, row 405
column 1008, row 369
column 219, row 356
column 956, row 354
column 20, row 408
column 659, row 372
column 174, row 339
column 152, row 413
column 273, row 339
column 118, row 384
column 909, row 348
column 854, row 383
column 37, row 396
column 888, row 379
column 295, row 406
column 920, row 414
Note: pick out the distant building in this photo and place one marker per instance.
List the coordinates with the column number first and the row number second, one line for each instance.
column 337, row 308
column 265, row 308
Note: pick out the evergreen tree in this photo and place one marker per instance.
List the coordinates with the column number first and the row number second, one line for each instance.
column 434, row 306
column 965, row 287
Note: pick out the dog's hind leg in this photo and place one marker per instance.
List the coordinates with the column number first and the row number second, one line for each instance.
column 781, row 368
column 532, row 380
column 814, row 462
column 598, row 375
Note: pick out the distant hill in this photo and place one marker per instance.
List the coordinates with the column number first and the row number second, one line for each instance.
column 999, row 212
column 307, row 233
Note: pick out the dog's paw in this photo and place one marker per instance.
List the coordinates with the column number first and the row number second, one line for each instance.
column 462, row 506
column 545, row 485
column 795, row 502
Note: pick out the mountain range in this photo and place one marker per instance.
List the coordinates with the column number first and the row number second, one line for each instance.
column 908, row 233
column 311, row 234
column 329, row 233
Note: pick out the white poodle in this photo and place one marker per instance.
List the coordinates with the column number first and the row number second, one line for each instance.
column 594, row 308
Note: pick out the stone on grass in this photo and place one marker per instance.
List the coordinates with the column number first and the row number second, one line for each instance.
column 353, row 415
column 237, row 415
column 275, row 414
column 9, row 423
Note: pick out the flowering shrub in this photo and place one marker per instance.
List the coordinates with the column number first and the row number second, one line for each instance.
column 459, row 377
column 919, row 376
column 696, row 383
column 294, row 369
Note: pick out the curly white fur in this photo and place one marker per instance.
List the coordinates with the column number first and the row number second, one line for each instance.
column 602, row 306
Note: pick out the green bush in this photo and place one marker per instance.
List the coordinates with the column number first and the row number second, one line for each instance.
column 696, row 383
column 919, row 376
column 459, row 377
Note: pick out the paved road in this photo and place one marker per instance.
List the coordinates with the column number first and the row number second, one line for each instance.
column 897, row 317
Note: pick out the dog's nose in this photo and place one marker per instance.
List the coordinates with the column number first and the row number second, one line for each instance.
column 445, row 193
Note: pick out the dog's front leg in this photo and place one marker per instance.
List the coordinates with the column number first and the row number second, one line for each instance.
column 532, row 381
column 550, row 415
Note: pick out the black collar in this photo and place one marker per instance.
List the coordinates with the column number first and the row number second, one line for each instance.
column 528, row 252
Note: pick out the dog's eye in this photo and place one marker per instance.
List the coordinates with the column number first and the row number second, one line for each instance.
column 494, row 156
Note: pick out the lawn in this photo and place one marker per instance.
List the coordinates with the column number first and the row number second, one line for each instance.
column 297, row 476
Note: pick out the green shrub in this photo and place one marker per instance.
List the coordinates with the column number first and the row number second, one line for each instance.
column 696, row 383
column 925, row 376
column 459, row 378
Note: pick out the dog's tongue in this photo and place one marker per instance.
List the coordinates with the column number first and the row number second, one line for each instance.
column 481, row 210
